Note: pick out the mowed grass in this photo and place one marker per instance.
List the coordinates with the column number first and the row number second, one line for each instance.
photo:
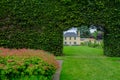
column 85, row 63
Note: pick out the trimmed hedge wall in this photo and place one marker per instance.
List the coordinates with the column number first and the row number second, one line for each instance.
column 112, row 42
column 39, row 24
column 28, row 24
column 33, row 39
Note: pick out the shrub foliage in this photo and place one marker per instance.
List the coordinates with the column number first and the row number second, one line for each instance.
column 94, row 44
column 39, row 24
column 24, row 62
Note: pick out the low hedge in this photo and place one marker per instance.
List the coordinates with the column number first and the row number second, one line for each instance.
column 26, row 64
column 95, row 44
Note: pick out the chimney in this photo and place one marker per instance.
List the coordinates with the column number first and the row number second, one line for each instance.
column 78, row 33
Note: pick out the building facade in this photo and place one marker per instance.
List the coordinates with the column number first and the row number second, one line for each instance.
column 71, row 38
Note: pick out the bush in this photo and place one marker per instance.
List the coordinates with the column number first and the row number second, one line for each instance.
column 24, row 63
column 94, row 44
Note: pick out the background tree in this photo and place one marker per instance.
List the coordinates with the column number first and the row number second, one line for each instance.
column 84, row 31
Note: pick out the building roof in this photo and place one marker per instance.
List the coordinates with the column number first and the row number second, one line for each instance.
column 70, row 34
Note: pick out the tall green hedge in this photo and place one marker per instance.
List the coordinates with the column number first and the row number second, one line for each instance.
column 112, row 42
column 39, row 24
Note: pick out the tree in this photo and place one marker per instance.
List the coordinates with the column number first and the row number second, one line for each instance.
column 84, row 32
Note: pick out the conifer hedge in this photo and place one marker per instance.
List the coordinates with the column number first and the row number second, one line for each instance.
column 39, row 24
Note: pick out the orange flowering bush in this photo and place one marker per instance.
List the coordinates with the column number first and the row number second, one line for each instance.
column 26, row 62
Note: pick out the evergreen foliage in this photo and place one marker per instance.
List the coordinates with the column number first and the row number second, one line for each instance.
column 84, row 32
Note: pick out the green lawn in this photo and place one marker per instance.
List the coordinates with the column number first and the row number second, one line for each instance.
column 85, row 63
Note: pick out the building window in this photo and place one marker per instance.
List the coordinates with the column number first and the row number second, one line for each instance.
column 70, row 42
column 70, row 38
column 74, row 38
column 74, row 43
column 65, row 42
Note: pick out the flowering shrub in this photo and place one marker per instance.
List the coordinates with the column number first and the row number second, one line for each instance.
column 94, row 44
column 25, row 62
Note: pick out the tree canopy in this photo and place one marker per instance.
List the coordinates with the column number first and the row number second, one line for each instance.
column 84, row 31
